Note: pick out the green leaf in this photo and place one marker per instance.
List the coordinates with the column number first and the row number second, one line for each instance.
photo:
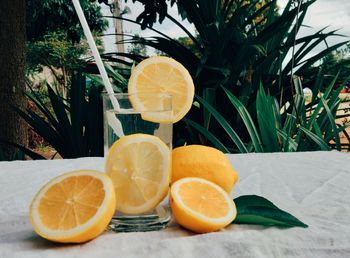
column 98, row 80
column 253, row 209
column 316, row 139
column 62, row 116
column 267, row 121
column 211, row 137
column 332, row 123
column 227, row 127
column 289, row 143
column 209, row 95
column 248, row 121
column 33, row 155
column 316, row 112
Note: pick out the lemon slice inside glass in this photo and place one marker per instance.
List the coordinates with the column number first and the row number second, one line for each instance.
column 139, row 166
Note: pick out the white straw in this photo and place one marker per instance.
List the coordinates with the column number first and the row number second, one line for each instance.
column 112, row 121
column 96, row 54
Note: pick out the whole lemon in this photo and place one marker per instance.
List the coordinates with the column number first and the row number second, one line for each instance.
column 203, row 162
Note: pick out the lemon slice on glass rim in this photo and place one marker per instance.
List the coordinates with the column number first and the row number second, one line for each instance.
column 160, row 74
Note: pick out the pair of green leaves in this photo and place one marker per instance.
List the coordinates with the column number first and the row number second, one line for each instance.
column 253, row 209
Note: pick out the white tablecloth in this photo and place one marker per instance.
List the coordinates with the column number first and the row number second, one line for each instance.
column 315, row 187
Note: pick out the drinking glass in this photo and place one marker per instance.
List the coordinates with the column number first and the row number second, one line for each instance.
column 127, row 121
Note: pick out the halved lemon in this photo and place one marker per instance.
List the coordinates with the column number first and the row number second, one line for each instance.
column 200, row 205
column 74, row 207
column 160, row 74
column 139, row 166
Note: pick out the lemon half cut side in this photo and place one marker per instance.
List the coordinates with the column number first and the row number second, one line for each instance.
column 74, row 207
column 200, row 205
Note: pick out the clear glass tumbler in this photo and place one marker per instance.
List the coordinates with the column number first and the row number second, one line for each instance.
column 127, row 121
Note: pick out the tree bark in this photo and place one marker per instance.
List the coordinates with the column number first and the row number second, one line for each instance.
column 119, row 27
column 12, row 73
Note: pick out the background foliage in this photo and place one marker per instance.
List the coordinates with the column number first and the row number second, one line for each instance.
column 46, row 16
column 241, row 63
column 241, row 46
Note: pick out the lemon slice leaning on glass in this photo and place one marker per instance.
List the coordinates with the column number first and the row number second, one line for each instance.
column 160, row 74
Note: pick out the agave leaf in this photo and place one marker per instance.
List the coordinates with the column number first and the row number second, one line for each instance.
column 189, row 34
column 317, row 110
column 131, row 56
column 289, row 144
column 318, row 140
column 225, row 125
column 177, row 51
column 281, row 26
column 138, row 23
column 309, row 43
column 62, row 117
column 248, row 121
column 286, row 35
column 280, row 42
column 332, row 123
column 113, row 73
column 347, row 136
column 33, row 155
column 289, row 128
column 299, row 101
column 194, row 15
column 267, row 121
column 333, row 104
column 318, row 84
column 312, row 60
column 41, row 106
column 318, row 131
column 98, row 80
column 206, row 133
column 44, row 129
column 209, row 95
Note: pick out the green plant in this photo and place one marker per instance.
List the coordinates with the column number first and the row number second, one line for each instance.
column 43, row 16
column 239, row 45
column 56, row 52
column 294, row 127
column 73, row 127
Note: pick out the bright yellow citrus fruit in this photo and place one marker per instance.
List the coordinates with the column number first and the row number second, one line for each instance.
column 160, row 74
column 200, row 205
column 74, row 207
column 204, row 162
column 139, row 166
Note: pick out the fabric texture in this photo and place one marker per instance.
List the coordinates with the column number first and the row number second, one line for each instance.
column 313, row 186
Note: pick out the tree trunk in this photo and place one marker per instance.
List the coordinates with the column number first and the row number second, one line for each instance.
column 119, row 27
column 12, row 73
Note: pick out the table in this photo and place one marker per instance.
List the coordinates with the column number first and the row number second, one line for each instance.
column 313, row 186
